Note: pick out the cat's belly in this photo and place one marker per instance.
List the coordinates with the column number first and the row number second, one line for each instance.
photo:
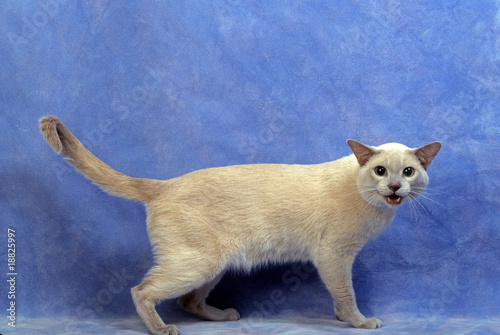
column 250, row 254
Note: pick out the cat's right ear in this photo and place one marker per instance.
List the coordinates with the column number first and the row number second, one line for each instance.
column 362, row 152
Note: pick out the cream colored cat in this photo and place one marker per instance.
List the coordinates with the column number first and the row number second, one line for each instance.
column 208, row 221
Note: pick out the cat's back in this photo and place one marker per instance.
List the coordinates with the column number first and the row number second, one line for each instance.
column 262, row 181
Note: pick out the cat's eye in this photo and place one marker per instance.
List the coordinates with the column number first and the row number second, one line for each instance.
column 409, row 171
column 380, row 171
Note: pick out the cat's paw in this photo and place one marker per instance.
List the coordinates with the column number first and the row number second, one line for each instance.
column 166, row 330
column 231, row 314
column 338, row 315
column 371, row 323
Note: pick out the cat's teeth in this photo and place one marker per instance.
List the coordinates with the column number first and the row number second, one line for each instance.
column 393, row 199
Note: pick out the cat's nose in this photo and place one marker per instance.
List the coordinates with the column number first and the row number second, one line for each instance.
column 394, row 187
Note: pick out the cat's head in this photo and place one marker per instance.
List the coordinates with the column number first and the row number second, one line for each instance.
column 392, row 174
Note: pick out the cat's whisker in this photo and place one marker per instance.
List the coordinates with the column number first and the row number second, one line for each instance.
column 427, row 190
column 414, row 211
column 431, row 200
column 370, row 202
column 414, row 199
column 362, row 192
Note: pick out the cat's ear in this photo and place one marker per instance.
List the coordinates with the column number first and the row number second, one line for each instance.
column 362, row 152
column 427, row 153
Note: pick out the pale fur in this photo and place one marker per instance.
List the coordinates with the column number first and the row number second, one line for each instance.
column 208, row 221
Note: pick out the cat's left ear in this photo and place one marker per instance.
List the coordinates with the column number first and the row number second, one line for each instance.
column 427, row 153
column 362, row 152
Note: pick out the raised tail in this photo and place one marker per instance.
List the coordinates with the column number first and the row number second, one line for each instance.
column 65, row 143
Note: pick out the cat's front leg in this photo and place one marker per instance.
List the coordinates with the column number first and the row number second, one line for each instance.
column 335, row 270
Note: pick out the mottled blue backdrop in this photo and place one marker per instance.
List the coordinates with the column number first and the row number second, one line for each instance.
column 161, row 88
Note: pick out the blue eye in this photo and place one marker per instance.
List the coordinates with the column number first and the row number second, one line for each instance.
column 408, row 172
column 380, row 171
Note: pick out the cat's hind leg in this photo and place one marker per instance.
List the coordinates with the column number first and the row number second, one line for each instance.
column 161, row 284
column 145, row 296
column 338, row 315
column 194, row 303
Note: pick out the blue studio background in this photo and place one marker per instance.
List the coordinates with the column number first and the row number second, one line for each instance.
column 160, row 88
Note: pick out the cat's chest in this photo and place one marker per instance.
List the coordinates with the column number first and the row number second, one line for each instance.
column 352, row 223
column 379, row 223
column 373, row 224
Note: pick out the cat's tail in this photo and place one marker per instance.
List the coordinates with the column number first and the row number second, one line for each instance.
column 65, row 143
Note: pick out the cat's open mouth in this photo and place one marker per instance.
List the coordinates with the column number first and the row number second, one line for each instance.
column 393, row 199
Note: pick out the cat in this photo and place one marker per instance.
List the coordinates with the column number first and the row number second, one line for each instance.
column 236, row 217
